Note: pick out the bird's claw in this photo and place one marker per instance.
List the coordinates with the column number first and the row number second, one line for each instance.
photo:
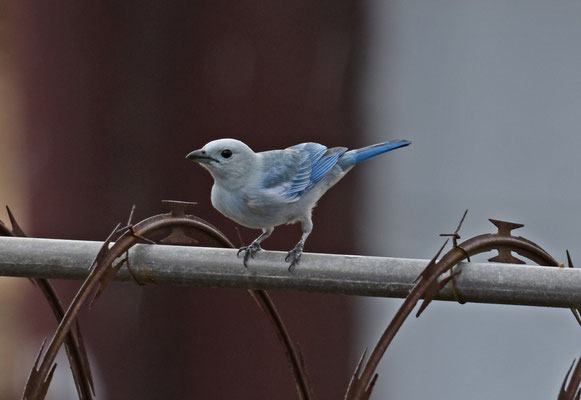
column 249, row 252
column 294, row 256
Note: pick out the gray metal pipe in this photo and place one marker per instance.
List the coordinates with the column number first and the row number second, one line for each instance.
column 321, row 273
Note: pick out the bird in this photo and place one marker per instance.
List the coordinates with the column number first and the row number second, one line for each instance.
column 262, row 190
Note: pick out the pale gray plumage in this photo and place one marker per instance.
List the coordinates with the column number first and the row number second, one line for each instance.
column 267, row 189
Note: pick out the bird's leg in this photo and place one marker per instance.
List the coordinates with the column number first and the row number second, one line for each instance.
column 294, row 255
column 254, row 247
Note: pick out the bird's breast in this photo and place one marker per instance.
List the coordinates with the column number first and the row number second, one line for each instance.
column 252, row 209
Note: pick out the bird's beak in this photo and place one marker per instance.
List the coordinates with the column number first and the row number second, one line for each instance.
column 200, row 156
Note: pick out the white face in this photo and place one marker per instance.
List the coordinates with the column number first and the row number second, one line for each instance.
column 228, row 160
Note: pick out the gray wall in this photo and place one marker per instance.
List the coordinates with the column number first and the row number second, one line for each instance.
column 490, row 95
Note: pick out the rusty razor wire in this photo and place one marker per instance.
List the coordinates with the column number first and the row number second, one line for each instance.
column 145, row 253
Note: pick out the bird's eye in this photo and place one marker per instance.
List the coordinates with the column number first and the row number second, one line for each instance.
column 226, row 153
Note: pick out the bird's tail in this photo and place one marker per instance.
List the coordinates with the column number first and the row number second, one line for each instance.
column 353, row 157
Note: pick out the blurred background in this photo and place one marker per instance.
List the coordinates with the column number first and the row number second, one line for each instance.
column 100, row 103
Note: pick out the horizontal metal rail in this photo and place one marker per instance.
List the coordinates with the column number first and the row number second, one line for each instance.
column 321, row 273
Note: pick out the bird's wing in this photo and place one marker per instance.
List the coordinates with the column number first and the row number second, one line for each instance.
column 291, row 172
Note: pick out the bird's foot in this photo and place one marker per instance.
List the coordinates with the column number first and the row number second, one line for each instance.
column 294, row 256
column 249, row 251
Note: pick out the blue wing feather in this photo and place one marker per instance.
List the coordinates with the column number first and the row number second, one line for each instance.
column 323, row 166
column 293, row 173
column 316, row 162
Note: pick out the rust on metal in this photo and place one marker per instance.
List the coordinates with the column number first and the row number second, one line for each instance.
column 73, row 341
column 428, row 286
column 455, row 236
column 178, row 228
column 178, row 208
column 505, row 228
column 571, row 390
column 504, row 254
column 181, row 227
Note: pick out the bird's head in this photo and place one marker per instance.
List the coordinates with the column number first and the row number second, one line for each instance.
column 228, row 160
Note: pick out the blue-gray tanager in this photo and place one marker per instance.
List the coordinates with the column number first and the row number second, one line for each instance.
column 267, row 189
